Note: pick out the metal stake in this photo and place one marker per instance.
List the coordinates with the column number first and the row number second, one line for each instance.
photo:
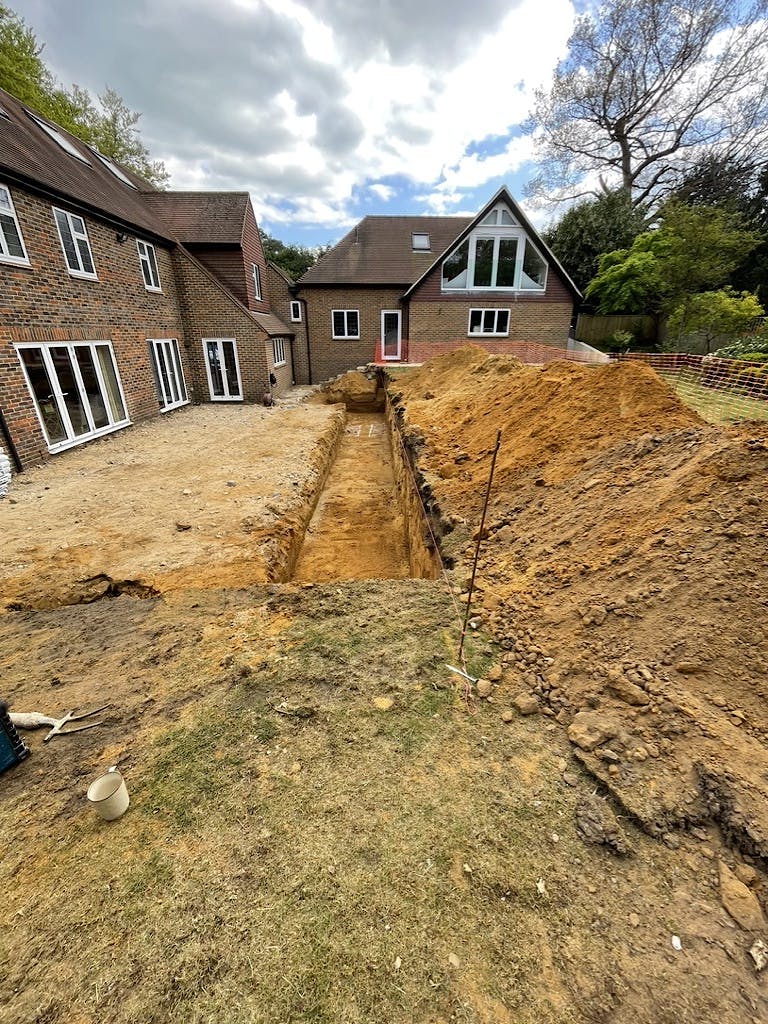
column 477, row 547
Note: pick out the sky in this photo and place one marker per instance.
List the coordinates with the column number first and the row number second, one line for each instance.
column 324, row 110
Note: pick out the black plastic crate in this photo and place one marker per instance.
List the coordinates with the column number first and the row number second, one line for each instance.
column 12, row 749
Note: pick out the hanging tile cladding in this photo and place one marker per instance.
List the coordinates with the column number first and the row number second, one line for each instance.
column 330, row 356
column 280, row 298
column 233, row 264
column 43, row 303
column 211, row 312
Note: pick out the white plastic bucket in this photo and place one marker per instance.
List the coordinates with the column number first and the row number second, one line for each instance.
column 108, row 795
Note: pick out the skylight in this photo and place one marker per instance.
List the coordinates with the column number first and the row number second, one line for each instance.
column 58, row 138
column 112, row 167
column 420, row 241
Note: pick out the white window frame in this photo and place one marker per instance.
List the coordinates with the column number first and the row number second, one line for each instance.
column 295, row 311
column 76, row 235
column 347, row 335
column 148, row 263
column 256, row 275
column 226, row 397
column 5, row 256
column 420, row 248
column 167, row 355
column 278, row 352
column 484, row 318
column 73, row 441
column 496, row 232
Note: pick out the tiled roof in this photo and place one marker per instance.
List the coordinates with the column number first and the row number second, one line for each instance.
column 27, row 152
column 270, row 323
column 379, row 251
column 211, row 218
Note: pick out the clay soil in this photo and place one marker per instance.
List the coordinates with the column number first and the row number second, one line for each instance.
column 326, row 826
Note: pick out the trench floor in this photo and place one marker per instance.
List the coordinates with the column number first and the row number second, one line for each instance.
column 357, row 531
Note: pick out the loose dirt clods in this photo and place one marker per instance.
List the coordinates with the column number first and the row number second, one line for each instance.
column 318, row 830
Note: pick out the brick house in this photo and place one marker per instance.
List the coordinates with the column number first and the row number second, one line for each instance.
column 402, row 289
column 119, row 302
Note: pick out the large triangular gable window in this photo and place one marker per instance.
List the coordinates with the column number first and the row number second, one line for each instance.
column 497, row 255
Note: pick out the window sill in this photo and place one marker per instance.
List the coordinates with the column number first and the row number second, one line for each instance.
column 488, row 334
column 174, row 405
column 346, row 337
column 11, row 262
column 226, row 398
column 276, row 366
column 157, row 291
column 81, row 276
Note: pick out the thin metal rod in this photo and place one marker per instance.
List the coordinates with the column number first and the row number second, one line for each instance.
column 477, row 548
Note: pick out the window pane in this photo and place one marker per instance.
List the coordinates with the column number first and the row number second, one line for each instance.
column 63, row 368
column 217, row 380
column 475, row 320
column 353, row 323
column 67, row 241
column 502, row 321
column 154, row 273
column 43, row 394
column 534, row 269
column 108, row 372
column 11, row 235
column 506, row 217
column 85, row 255
column 505, row 277
column 230, row 367
column 455, row 268
column 483, row 262
column 338, row 324
column 5, row 200
column 489, row 321
column 93, row 393
column 491, row 218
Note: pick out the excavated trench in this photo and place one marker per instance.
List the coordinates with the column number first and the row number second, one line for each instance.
column 368, row 522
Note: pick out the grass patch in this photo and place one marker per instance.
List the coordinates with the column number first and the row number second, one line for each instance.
column 715, row 405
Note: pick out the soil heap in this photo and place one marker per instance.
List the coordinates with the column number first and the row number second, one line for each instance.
column 625, row 572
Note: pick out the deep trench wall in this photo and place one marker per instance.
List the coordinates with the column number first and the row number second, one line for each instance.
column 293, row 528
column 423, row 557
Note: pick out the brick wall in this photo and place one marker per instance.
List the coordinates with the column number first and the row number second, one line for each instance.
column 43, row 303
column 535, row 322
column 280, row 298
column 330, row 356
column 209, row 311
column 525, row 351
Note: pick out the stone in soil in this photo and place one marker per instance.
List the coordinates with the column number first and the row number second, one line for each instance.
column 739, row 901
column 590, row 729
column 596, row 823
column 526, row 704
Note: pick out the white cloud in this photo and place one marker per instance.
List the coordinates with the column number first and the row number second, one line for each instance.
column 309, row 104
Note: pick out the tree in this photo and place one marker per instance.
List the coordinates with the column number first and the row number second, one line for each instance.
column 110, row 125
column 649, row 87
column 715, row 315
column 694, row 249
column 295, row 260
column 591, row 228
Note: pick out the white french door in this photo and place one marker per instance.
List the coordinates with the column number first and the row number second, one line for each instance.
column 391, row 340
column 223, row 369
column 170, row 376
column 76, row 389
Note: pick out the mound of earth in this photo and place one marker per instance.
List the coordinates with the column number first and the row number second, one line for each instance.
column 552, row 420
column 624, row 571
column 355, row 390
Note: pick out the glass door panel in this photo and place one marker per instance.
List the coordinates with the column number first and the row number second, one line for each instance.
column 42, row 392
column 92, row 387
column 230, row 365
column 70, row 391
column 111, row 384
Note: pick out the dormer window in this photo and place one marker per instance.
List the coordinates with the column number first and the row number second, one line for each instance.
column 497, row 255
column 60, row 139
column 420, row 242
